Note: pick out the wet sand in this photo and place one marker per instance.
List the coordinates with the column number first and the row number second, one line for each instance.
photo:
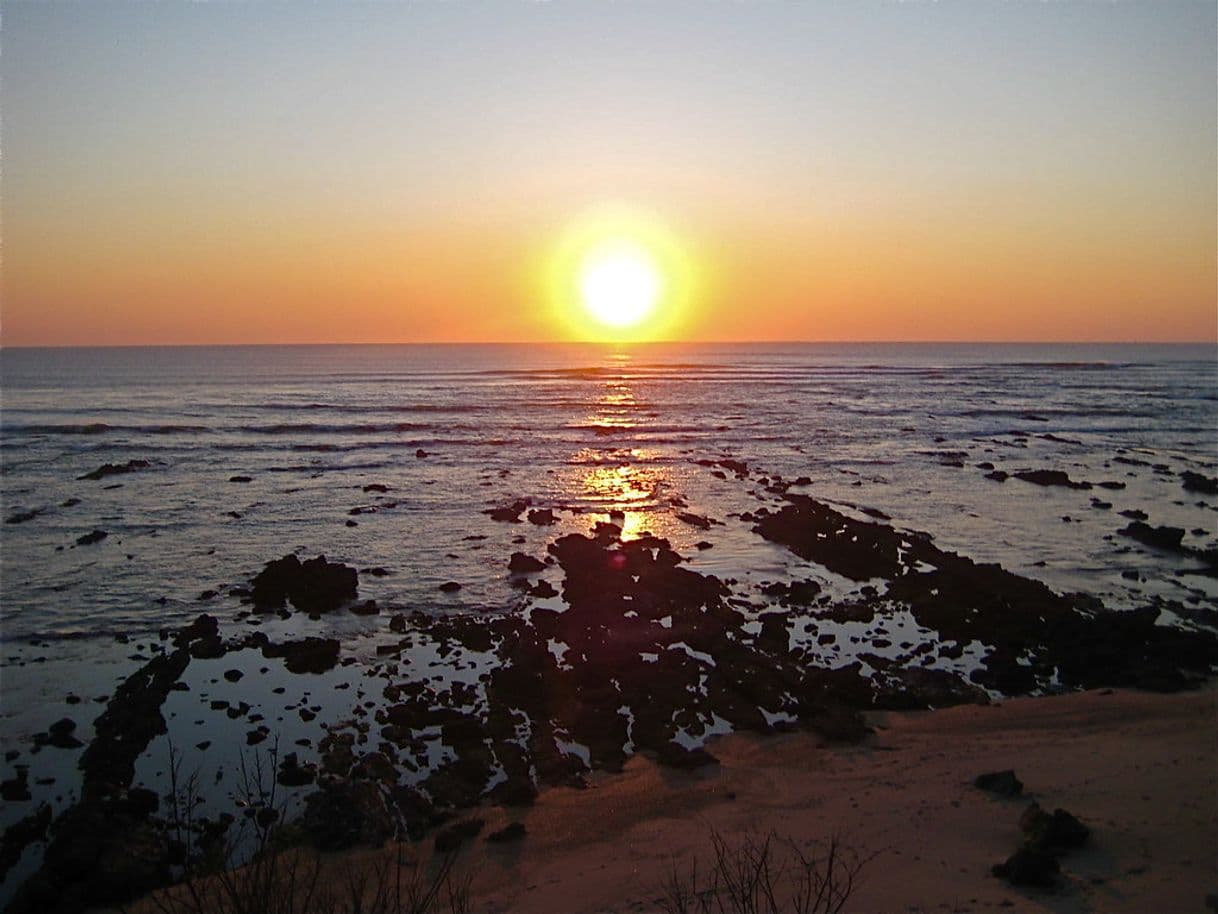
column 1140, row 769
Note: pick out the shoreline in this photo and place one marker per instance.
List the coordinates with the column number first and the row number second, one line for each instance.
column 1140, row 769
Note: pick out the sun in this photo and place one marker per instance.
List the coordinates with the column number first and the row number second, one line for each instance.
column 619, row 274
column 619, row 283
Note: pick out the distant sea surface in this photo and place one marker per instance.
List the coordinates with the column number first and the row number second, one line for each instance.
column 596, row 428
column 389, row 457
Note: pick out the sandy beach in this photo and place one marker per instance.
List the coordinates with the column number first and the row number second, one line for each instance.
column 1139, row 769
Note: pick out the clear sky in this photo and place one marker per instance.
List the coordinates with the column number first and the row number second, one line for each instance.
column 397, row 172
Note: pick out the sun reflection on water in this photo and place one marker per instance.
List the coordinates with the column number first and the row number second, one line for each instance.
column 624, row 484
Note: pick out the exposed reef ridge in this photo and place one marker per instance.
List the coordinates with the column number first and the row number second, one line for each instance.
column 644, row 655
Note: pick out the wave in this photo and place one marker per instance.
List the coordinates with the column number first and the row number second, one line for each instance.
column 102, row 428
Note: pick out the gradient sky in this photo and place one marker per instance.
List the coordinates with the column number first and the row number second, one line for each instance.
column 266, row 172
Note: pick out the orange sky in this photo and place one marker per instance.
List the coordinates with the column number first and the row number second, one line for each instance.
column 191, row 176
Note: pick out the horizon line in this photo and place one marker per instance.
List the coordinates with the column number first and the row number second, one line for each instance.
column 618, row 343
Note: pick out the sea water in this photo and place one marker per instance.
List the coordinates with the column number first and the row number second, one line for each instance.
column 255, row 452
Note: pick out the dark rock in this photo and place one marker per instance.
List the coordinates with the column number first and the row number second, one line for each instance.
column 240, row 479
column 1003, row 783
column 367, row 608
column 676, row 756
column 1029, row 867
column 543, row 590
column 293, row 774
column 520, row 563
column 1134, row 514
column 59, row 735
column 451, row 838
column 314, row 586
column 420, row 453
column 1050, row 478
column 233, row 675
column 1167, row 538
column 111, row 469
column 1196, row 482
column 309, row 655
column 20, row 835
column 376, row 487
column 16, row 788
column 346, row 813
column 510, row 513
column 20, row 517
column 511, row 832
column 450, row 587
column 1052, row 833
column 694, row 520
column 997, row 475
column 90, row 538
column 542, row 517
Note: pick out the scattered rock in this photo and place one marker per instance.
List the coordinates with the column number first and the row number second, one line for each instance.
column 1050, row 478
column 520, row 563
column 112, row 469
column 694, row 520
column 1003, row 783
column 511, row 832
column 510, row 513
column 1029, row 867
column 1196, row 482
column 1052, row 833
column 1167, row 538
column 314, row 586
column 20, row 517
column 451, row 838
column 309, row 655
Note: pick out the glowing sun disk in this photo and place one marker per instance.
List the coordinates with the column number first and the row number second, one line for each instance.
column 619, row 283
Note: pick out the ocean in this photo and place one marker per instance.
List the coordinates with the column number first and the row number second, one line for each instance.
column 389, row 458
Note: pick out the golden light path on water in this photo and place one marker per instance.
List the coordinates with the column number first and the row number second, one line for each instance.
column 630, row 490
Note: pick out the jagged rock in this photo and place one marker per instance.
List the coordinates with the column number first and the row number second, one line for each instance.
column 510, row 513
column 1052, row 833
column 511, row 832
column 309, row 655
column 21, row 834
column 1050, row 478
column 1029, row 867
column 1168, row 538
column 346, row 813
column 293, row 774
column 520, row 563
column 694, row 520
column 1196, row 482
column 113, row 469
column 542, row 517
column 451, row 838
column 314, row 586
column 1002, row 783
